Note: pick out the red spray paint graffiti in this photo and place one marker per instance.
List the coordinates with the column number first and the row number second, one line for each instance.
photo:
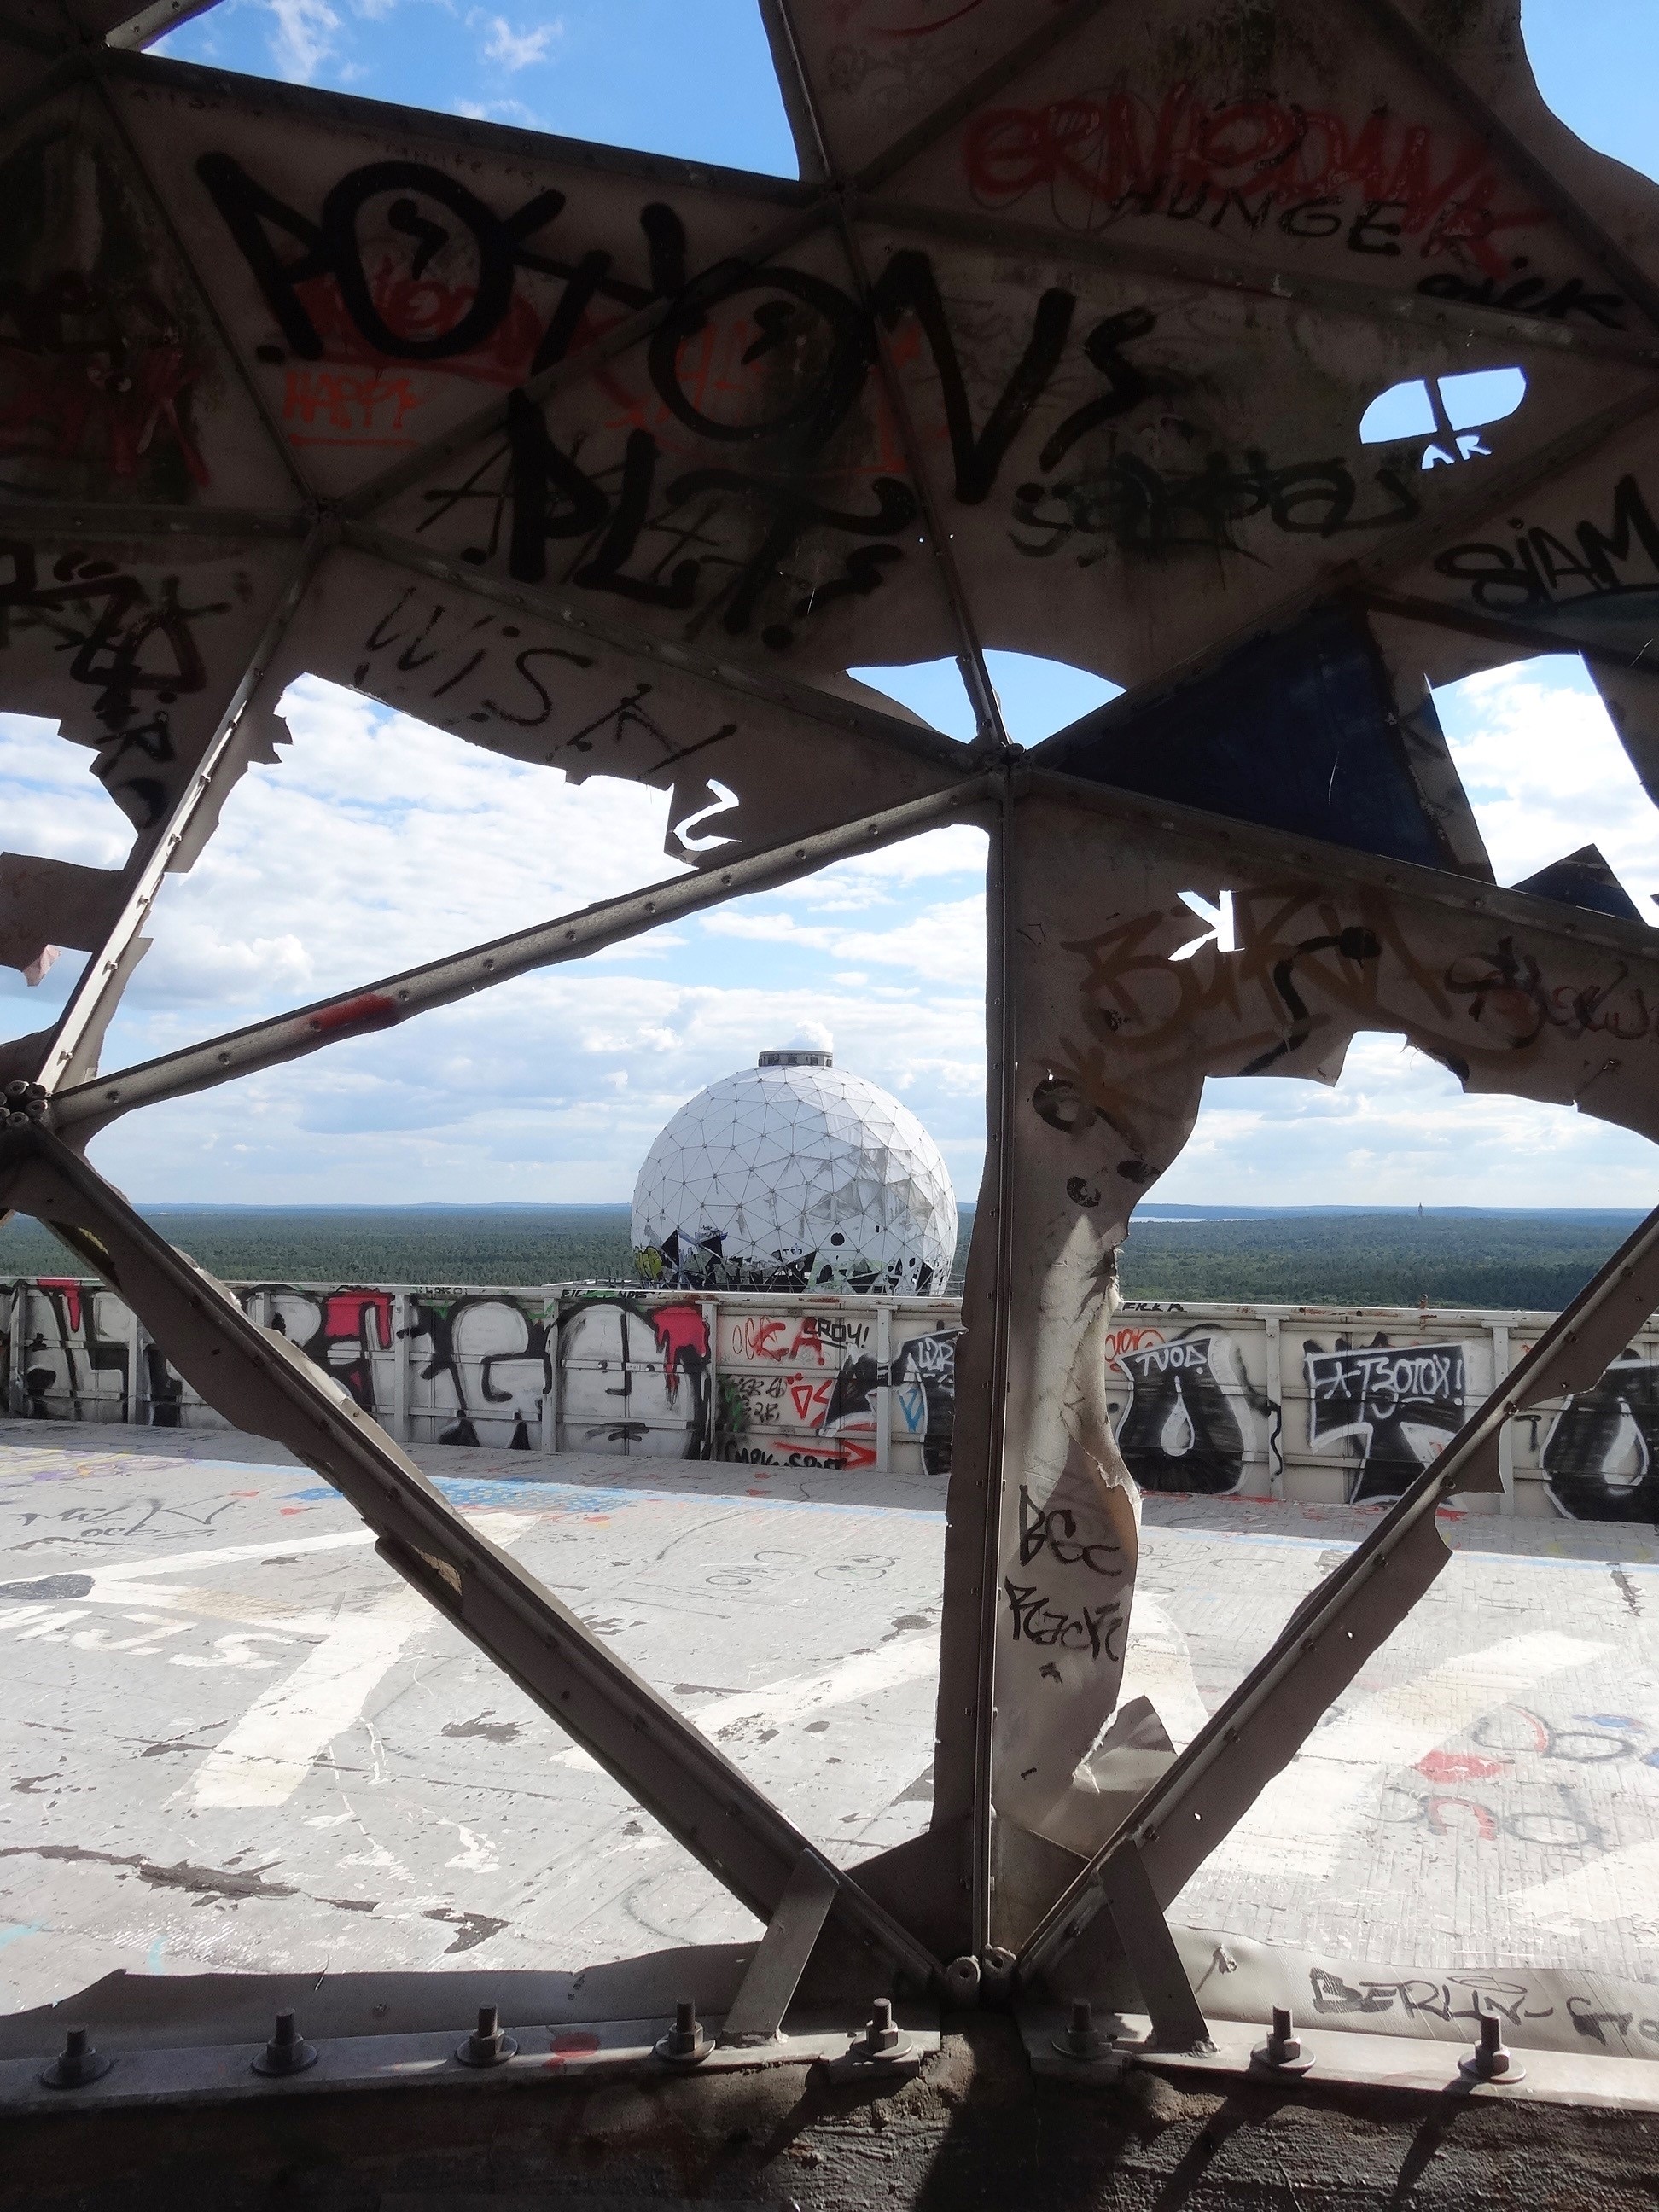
column 683, row 1339
column 69, row 1292
column 1109, row 154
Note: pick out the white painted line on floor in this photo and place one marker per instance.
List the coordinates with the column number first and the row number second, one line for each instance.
column 1307, row 1814
column 228, row 1555
column 1619, row 1885
column 799, row 1698
column 267, row 1755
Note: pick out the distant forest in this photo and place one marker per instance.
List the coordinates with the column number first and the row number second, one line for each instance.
column 1452, row 1258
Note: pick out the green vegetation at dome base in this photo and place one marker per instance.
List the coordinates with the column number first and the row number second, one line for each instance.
column 1452, row 1256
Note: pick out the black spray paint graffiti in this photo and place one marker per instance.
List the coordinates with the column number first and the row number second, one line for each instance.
column 331, row 249
column 1393, row 1405
column 1129, row 505
column 345, row 1330
column 1599, row 1455
column 636, row 1375
column 1098, row 1630
column 518, row 1342
column 352, row 1324
column 1459, row 1996
column 921, row 1376
column 134, row 649
column 812, row 351
column 85, row 1353
column 1466, row 1997
column 1051, row 1532
column 1606, row 577
column 697, row 1260
column 762, row 1415
column 1180, row 1432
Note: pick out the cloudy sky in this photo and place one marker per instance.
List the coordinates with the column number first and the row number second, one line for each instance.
column 377, row 842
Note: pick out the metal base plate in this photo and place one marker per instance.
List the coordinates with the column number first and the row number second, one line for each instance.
column 1383, row 2061
column 614, row 2049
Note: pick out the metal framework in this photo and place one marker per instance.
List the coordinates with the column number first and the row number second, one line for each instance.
column 617, row 464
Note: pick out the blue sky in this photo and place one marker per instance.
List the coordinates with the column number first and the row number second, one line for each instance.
column 377, row 842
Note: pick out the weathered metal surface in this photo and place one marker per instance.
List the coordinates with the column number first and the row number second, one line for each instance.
column 619, row 464
column 1341, row 2057
column 779, row 1961
column 971, row 2127
column 597, row 2052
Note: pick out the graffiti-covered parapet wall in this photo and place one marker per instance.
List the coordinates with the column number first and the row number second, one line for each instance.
column 1347, row 1405
column 1327, row 1405
column 773, row 1380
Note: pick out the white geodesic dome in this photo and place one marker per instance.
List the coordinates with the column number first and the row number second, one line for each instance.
column 795, row 1175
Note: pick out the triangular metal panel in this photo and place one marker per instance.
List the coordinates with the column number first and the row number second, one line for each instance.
column 135, row 646
column 497, row 669
column 735, row 482
column 116, row 387
column 1300, row 140
column 390, row 276
column 1130, row 477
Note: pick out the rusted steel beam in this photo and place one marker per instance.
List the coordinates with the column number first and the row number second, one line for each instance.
column 970, row 656
column 75, row 1042
column 1258, row 1730
column 92, row 1106
column 257, row 1380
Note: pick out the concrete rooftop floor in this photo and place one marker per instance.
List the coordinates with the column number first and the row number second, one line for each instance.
column 235, row 1740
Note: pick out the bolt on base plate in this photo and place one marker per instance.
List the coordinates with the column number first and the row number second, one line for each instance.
column 686, row 2044
column 883, row 2048
column 76, row 2064
column 287, row 2052
column 1081, row 2039
column 1489, row 2061
column 1282, row 2053
column 490, row 2044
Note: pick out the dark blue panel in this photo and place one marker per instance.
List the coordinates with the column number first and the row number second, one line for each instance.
column 1584, row 879
column 1298, row 732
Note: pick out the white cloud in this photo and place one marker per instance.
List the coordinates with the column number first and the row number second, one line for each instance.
column 304, row 37
column 941, row 944
column 54, row 806
column 1546, row 773
column 500, row 111
column 376, row 842
column 1398, row 1130
column 518, row 49
column 871, row 879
